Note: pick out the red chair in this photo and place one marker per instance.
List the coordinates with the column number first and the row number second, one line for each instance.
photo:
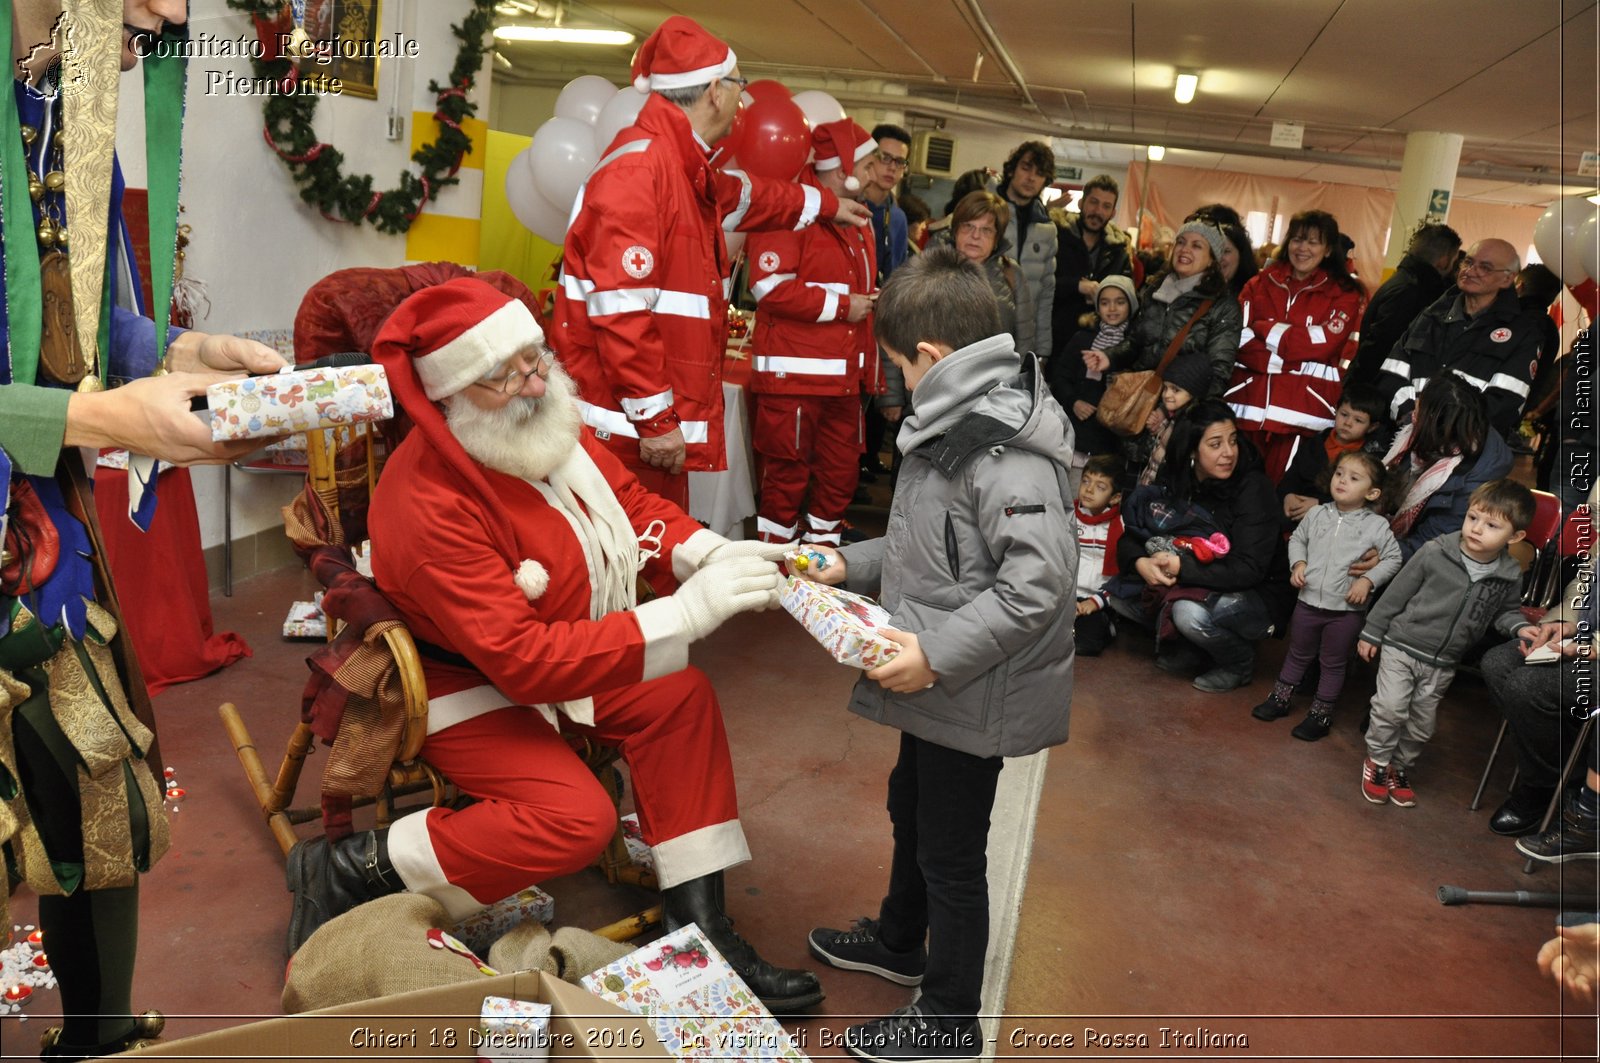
column 1541, row 533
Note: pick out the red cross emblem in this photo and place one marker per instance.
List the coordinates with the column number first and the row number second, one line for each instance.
column 1500, row 335
column 769, row 261
column 637, row 262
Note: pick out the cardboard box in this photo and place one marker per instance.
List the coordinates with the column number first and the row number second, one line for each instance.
column 440, row 1023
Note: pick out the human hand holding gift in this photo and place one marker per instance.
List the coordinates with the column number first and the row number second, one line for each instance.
column 909, row 671
column 818, row 563
column 849, row 626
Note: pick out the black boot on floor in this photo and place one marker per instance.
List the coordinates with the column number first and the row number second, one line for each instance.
column 1276, row 707
column 1522, row 811
column 328, row 879
column 784, row 990
column 145, row 1033
column 1316, row 725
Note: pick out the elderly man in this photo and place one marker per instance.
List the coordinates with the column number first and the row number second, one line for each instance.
column 510, row 541
column 1421, row 277
column 640, row 322
column 1090, row 248
column 814, row 352
column 1479, row 331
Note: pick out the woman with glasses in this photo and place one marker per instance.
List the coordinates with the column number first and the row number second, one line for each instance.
column 976, row 229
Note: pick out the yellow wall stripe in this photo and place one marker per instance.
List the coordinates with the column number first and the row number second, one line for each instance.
column 442, row 238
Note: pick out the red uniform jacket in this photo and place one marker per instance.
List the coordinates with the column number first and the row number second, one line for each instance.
column 802, row 282
column 1295, row 334
column 641, row 319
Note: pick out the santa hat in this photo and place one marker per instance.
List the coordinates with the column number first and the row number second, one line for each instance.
column 435, row 344
column 834, row 142
column 680, row 54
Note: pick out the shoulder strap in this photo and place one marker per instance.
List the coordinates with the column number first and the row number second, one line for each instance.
column 1183, row 334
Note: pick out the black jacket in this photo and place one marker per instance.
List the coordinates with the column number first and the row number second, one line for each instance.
column 1074, row 262
column 1394, row 306
column 1306, row 474
column 1069, row 382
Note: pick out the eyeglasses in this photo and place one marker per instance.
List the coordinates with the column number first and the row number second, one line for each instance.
column 743, row 83
column 894, row 162
column 1474, row 265
column 972, row 228
column 513, row 380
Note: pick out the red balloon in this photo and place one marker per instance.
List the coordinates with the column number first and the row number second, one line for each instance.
column 774, row 139
column 1588, row 296
column 767, row 89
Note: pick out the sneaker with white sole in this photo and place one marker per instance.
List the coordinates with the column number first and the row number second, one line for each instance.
column 909, row 1036
column 861, row 949
column 1375, row 781
column 1400, row 792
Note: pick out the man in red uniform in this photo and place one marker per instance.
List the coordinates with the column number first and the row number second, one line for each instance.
column 511, row 541
column 814, row 351
column 641, row 319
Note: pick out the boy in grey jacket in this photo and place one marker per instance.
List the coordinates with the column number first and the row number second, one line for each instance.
column 1327, row 618
column 1441, row 604
column 977, row 571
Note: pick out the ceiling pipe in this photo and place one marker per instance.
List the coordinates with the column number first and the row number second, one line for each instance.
column 991, row 41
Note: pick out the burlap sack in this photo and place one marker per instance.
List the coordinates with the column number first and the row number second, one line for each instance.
column 569, row 954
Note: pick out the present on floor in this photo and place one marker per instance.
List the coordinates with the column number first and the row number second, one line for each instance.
column 698, row 1006
column 513, row 1030
column 639, row 851
column 846, row 624
column 306, row 620
column 486, row 926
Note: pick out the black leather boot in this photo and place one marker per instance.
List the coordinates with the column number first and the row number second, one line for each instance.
column 330, row 879
column 784, row 990
column 146, row 1031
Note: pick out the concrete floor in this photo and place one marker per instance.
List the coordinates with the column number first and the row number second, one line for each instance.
column 1191, row 868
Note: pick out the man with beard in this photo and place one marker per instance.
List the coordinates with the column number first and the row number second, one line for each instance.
column 511, row 542
column 1089, row 249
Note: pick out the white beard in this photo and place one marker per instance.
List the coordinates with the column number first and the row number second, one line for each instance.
column 527, row 438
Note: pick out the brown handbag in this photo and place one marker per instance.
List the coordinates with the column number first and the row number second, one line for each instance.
column 1130, row 397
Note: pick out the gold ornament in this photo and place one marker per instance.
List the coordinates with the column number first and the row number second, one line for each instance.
column 90, row 383
column 300, row 43
column 55, row 180
column 47, row 232
column 61, row 237
column 29, row 134
column 35, row 187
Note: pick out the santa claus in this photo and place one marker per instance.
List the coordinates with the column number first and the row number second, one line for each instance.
column 512, row 544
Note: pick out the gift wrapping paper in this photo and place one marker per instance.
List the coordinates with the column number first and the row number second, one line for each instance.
column 846, row 624
column 695, row 1002
column 633, row 838
column 513, row 1030
column 282, row 403
column 483, row 928
column 306, row 621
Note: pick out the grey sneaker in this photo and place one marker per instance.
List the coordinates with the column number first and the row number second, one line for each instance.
column 909, row 1036
column 860, row 949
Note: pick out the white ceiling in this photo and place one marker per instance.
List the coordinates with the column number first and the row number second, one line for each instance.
column 1519, row 79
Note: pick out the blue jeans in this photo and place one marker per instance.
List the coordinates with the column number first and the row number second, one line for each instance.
column 1227, row 627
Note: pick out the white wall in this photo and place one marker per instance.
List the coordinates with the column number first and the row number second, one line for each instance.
column 521, row 109
column 255, row 244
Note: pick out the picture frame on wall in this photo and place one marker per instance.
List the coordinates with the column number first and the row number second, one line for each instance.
column 349, row 31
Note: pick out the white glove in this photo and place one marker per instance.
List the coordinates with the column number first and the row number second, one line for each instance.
column 749, row 548
column 724, row 589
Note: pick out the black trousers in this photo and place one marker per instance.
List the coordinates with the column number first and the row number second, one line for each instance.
column 939, row 803
column 1544, row 706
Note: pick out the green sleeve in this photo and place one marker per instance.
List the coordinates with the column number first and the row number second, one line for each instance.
column 33, row 423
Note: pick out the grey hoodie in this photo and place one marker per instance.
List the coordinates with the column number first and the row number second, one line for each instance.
column 980, row 558
column 1435, row 613
column 1329, row 542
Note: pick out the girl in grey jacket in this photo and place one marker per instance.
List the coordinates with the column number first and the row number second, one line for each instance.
column 1327, row 618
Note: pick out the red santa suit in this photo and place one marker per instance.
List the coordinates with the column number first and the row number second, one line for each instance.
column 640, row 321
column 520, row 594
column 811, row 362
column 1288, row 378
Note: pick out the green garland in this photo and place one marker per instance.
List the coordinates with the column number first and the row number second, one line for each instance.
column 317, row 166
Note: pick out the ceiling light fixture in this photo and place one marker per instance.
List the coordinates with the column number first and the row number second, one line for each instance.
column 1183, row 90
column 1155, row 152
column 561, row 35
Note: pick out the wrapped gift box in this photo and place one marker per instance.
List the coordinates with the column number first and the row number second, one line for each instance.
column 633, row 838
column 291, row 451
column 513, row 1030
column 282, row 403
column 698, row 1006
column 846, row 624
column 484, row 928
column 306, row 621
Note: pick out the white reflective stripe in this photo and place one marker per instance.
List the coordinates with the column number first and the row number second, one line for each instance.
column 617, row 424
column 1397, row 367
column 727, row 289
column 629, row 148
column 1274, row 364
column 1318, row 370
column 1246, row 335
column 811, row 208
column 1283, row 415
column 1275, row 335
column 735, row 218
column 1317, row 333
column 684, row 304
column 647, row 407
column 1241, row 384
column 821, row 525
column 621, row 301
column 1509, row 383
column 821, row 539
column 1325, row 403
column 576, row 287
column 1401, row 397
column 807, row 366
column 1477, row 382
column 830, row 307
column 769, row 527
column 830, row 286
column 763, row 287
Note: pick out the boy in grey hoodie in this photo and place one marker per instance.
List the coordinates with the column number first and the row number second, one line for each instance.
column 1444, row 600
column 977, row 571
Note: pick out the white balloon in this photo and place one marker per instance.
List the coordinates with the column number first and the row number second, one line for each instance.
column 584, row 97
column 1555, row 235
column 541, row 217
column 1589, row 246
column 617, row 115
column 818, row 107
column 563, row 154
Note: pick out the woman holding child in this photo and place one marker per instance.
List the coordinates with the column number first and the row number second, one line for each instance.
column 1299, row 314
column 1204, row 552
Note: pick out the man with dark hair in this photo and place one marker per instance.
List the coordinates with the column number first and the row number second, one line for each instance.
column 639, row 320
column 1029, row 170
column 1420, row 278
column 1089, row 249
column 889, row 165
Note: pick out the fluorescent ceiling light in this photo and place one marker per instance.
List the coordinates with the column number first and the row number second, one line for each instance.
column 561, row 35
column 1183, row 91
column 1595, row 199
column 1155, row 152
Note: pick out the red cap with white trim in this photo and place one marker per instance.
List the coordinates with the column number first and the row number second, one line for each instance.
column 679, row 55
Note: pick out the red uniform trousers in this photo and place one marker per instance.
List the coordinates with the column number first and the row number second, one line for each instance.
column 813, row 441
column 540, row 813
column 1277, row 449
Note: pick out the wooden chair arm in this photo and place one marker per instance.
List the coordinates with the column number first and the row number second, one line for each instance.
column 408, row 663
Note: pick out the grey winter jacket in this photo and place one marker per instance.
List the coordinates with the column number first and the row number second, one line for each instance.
column 1329, row 542
column 1435, row 613
column 1033, row 235
column 1216, row 334
column 980, row 558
